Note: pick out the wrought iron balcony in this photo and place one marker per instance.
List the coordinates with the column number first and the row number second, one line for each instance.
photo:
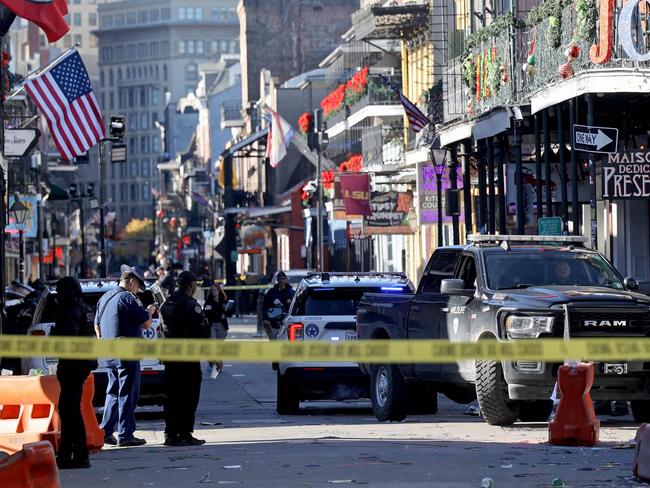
column 231, row 114
column 382, row 145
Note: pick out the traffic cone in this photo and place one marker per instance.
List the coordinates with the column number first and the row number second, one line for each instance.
column 575, row 422
column 32, row 467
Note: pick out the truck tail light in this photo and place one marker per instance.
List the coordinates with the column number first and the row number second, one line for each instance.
column 296, row 332
column 37, row 333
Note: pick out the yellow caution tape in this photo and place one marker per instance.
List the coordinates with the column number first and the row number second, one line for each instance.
column 378, row 351
column 247, row 287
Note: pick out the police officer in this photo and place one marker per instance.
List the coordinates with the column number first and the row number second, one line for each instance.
column 121, row 314
column 280, row 295
column 182, row 319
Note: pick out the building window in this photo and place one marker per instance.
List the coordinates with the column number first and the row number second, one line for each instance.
column 181, row 47
column 122, row 191
column 133, row 122
column 181, row 13
column 166, row 13
column 198, row 13
column 110, row 78
column 101, row 78
column 67, row 40
column 142, row 50
column 154, row 48
column 92, row 40
column 144, row 144
column 142, row 17
column 224, row 46
column 199, row 47
column 155, row 95
column 130, row 18
column 119, row 20
column 119, row 74
column 106, row 21
column 214, row 46
column 102, row 101
column 190, row 47
column 111, row 98
column 145, row 192
column 154, row 15
column 123, row 171
column 143, row 97
column 112, row 192
column 155, row 144
column 157, row 72
column 134, row 192
column 144, row 120
column 133, row 169
column 164, row 72
column 133, row 145
column 164, row 48
column 191, row 72
column 92, row 19
column 76, row 19
column 144, row 169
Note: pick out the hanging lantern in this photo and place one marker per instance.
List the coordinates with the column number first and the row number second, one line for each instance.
column 531, row 60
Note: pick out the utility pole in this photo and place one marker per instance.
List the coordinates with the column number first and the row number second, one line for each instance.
column 318, row 122
column 102, row 224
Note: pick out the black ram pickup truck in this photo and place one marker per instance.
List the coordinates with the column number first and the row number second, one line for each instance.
column 507, row 288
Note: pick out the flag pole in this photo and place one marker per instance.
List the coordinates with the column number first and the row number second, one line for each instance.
column 41, row 69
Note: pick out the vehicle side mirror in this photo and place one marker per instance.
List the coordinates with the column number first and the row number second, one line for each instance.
column 630, row 284
column 455, row 286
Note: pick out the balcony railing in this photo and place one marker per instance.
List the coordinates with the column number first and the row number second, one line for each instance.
column 376, row 93
column 479, row 81
column 382, row 145
column 231, row 114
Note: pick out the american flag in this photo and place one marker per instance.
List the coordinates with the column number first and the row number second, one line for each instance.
column 64, row 94
column 417, row 120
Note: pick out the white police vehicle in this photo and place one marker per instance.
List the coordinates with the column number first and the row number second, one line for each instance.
column 151, row 370
column 324, row 308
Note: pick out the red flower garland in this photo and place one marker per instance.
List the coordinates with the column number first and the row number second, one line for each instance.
column 328, row 179
column 306, row 122
column 353, row 165
column 350, row 90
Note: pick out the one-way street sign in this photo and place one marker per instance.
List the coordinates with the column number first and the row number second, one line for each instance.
column 595, row 139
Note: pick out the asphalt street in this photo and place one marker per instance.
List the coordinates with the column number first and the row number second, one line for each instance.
column 331, row 444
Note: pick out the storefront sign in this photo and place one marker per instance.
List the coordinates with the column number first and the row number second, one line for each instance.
column 627, row 175
column 626, row 29
column 390, row 213
column 428, row 194
column 550, row 226
column 253, row 237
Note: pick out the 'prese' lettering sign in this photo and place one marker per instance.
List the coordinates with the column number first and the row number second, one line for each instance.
column 627, row 175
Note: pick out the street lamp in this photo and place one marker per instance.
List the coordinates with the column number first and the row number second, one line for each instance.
column 439, row 162
column 77, row 194
column 19, row 212
column 54, row 227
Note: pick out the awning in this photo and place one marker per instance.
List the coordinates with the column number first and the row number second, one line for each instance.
column 397, row 22
column 614, row 80
column 54, row 193
column 238, row 146
column 489, row 125
column 255, row 212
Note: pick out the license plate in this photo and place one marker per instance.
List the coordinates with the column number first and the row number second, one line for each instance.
column 615, row 368
column 351, row 336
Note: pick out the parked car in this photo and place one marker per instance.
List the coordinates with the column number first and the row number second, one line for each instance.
column 324, row 308
column 294, row 277
column 151, row 391
column 508, row 288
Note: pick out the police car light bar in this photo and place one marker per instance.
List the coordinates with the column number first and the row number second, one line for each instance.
column 525, row 238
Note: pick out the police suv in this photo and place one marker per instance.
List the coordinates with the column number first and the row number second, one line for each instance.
column 324, row 308
column 151, row 370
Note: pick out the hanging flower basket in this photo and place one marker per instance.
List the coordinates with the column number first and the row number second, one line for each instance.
column 306, row 122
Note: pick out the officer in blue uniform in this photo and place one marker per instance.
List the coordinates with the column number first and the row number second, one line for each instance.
column 182, row 319
column 121, row 314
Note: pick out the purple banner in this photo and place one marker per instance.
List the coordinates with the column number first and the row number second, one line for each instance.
column 428, row 193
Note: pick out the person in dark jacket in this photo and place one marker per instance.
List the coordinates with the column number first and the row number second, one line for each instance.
column 281, row 294
column 215, row 312
column 182, row 319
column 71, row 319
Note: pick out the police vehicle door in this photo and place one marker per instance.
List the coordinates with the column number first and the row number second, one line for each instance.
column 463, row 310
column 426, row 318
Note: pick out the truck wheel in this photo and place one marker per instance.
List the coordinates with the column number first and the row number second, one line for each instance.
column 492, row 394
column 535, row 411
column 641, row 411
column 288, row 402
column 388, row 392
column 422, row 401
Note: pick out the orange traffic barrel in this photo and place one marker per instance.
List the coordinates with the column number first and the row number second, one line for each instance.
column 28, row 411
column 94, row 435
column 575, row 422
column 32, row 467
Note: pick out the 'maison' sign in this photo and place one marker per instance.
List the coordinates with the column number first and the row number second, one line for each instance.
column 627, row 175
